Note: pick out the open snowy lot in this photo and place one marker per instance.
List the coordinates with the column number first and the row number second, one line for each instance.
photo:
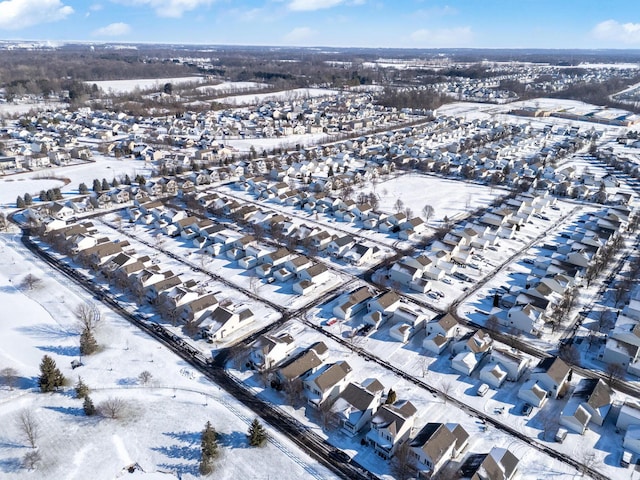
column 162, row 419
column 124, row 86
column 297, row 93
column 7, row 109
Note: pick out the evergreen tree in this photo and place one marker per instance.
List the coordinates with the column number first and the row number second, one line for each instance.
column 50, row 376
column 140, row 180
column 209, row 446
column 57, row 194
column 114, row 182
column 20, row 202
column 82, row 389
column 127, row 179
column 105, row 184
column 28, row 200
column 96, row 185
column 88, row 344
column 88, row 406
column 257, row 434
column 391, row 397
column 43, row 196
column 82, row 189
column 49, row 195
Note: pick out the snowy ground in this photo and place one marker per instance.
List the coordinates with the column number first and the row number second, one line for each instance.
column 162, row 421
column 124, row 86
column 104, row 167
column 22, row 108
column 297, row 93
column 231, row 87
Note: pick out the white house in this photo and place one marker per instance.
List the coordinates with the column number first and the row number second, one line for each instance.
column 327, row 383
column 436, row 444
column 223, row 321
column 269, row 350
column 356, row 405
column 390, row 426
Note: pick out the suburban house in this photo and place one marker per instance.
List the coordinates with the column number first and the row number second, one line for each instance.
column 515, row 364
column 269, row 350
column 352, row 303
column 470, row 351
column 391, row 426
column 356, row 405
column 629, row 416
column 435, row 444
column 553, row 374
column 326, row 383
column 591, row 398
column 440, row 331
column 499, row 464
column 195, row 308
column 306, row 362
column 223, row 321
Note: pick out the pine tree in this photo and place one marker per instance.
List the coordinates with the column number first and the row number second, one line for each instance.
column 82, row 188
column 43, row 196
column 28, row 200
column 127, row 179
column 209, row 446
column 88, row 406
column 105, row 184
column 88, row 344
column 257, row 434
column 391, row 397
column 96, row 185
column 114, row 182
column 20, row 202
column 57, row 194
column 82, row 389
column 50, row 376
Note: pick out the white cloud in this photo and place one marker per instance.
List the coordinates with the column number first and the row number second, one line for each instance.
column 309, row 5
column 113, row 30
column 169, row 8
column 16, row 14
column 627, row 33
column 442, row 37
column 432, row 12
column 299, row 35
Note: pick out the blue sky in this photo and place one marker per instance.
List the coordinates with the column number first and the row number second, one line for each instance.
column 339, row 23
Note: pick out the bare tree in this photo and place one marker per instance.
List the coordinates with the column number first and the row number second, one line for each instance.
column 28, row 427
column 399, row 205
column 9, row 377
column 112, row 408
column 293, row 390
column 446, row 387
column 328, row 418
column 31, row 459
column 403, row 465
column 428, row 212
column 606, row 320
column 88, row 316
column 31, row 282
column 145, row 377
column 570, row 354
column 615, row 373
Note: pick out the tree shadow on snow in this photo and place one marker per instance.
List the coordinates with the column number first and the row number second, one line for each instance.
column 127, row 381
column 233, row 440
column 186, row 437
column 48, row 332
column 75, row 411
column 182, row 468
column 70, row 351
column 10, row 465
column 188, row 450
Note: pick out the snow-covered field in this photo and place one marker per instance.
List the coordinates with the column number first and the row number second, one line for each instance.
column 449, row 198
column 298, row 93
column 232, row 87
column 124, row 86
column 162, row 420
column 103, row 167
column 22, row 108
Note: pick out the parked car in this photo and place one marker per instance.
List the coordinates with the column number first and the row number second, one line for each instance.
column 527, row 408
column 482, row 390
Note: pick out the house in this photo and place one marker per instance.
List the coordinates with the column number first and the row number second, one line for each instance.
column 154, row 290
column 470, row 351
column 306, row 362
column 391, row 426
column 361, row 254
column 440, row 331
column 223, row 321
column 356, row 405
column 435, row 444
column 511, row 362
column 527, row 318
column 594, row 396
column 553, row 374
column 575, row 417
column 385, row 303
column 196, row 308
column 631, row 439
column 401, row 332
column 629, row 416
column 493, row 375
column 533, row 393
column 354, row 303
column 340, row 246
column 269, row 350
column 498, row 464
column 326, row 383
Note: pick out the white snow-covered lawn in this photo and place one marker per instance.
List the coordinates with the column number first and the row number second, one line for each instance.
column 297, row 93
column 124, row 86
column 162, row 420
